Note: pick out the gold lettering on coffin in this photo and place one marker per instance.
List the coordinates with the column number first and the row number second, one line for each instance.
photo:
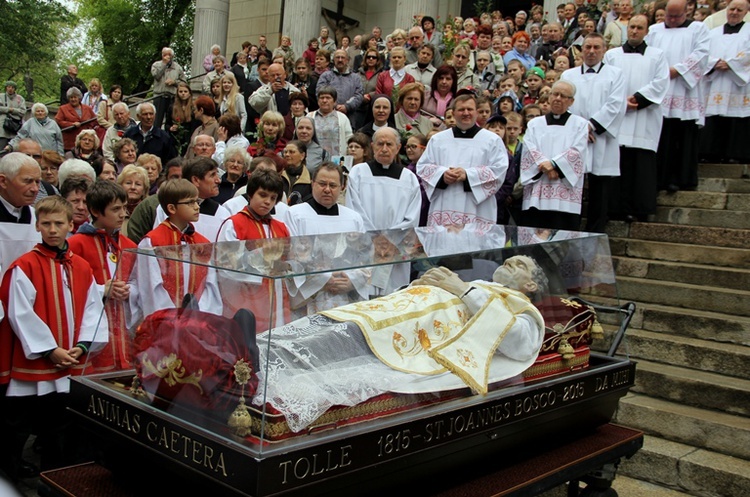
column 171, row 370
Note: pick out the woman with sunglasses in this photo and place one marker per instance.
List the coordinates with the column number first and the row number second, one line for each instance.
column 372, row 65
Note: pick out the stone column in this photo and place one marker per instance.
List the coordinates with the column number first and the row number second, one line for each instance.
column 302, row 21
column 407, row 9
column 211, row 22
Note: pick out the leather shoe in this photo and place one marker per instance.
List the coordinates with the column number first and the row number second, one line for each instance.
column 672, row 188
column 27, row 470
column 630, row 218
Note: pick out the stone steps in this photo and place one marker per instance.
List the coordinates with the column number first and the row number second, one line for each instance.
column 682, row 252
column 705, row 390
column 724, row 185
column 690, row 323
column 689, row 273
column 703, row 217
column 729, row 301
column 695, row 471
column 682, row 234
column 719, row 432
column 706, row 200
column 681, row 272
column 734, row 171
column 721, row 358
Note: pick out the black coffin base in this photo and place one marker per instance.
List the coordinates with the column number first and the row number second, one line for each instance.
column 423, row 446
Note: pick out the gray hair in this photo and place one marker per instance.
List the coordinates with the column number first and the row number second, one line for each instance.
column 140, row 108
column 391, row 131
column 215, row 47
column 119, row 105
column 73, row 91
column 238, row 150
column 13, row 162
column 39, row 105
column 75, row 167
column 195, row 139
column 567, row 83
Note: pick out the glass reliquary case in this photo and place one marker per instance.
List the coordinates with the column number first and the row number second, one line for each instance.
column 275, row 365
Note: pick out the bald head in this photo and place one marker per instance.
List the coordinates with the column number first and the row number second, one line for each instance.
column 676, row 13
column 276, row 73
column 736, row 11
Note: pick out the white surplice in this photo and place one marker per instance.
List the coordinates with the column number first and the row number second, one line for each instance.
column 647, row 75
column 384, row 202
column 727, row 92
column 301, row 219
column 686, row 50
column 566, row 146
column 600, row 96
column 485, row 160
column 206, row 225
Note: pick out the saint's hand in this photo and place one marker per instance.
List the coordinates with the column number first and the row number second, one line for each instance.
column 446, row 279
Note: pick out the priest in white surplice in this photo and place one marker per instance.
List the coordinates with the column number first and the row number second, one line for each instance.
column 601, row 100
column 685, row 44
column 553, row 164
column 462, row 168
column 727, row 90
column 322, row 215
column 387, row 196
column 646, row 74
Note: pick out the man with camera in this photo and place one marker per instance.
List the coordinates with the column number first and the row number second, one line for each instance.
column 167, row 73
column 273, row 95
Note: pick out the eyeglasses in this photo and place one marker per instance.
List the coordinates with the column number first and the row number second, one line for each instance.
column 555, row 94
column 326, row 184
column 371, row 57
column 194, row 202
column 416, row 37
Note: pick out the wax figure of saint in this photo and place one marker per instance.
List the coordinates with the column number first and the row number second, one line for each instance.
column 646, row 73
column 462, row 168
column 440, row 333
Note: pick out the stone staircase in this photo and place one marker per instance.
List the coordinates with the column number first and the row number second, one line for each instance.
column 689, row 274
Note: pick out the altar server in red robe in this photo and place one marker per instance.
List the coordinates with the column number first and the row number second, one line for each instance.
column 53, row 308
column 101, row 244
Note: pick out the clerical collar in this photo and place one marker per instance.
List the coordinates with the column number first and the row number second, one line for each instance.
column 596, row 68
column 392, row 171
column 733, row 30
column 469, row 133
column 322, row 210
column 553, row 120
column 683, row 25
column 640, row 49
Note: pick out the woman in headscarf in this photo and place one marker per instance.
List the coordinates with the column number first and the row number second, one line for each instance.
column 381, row 114
column 305, row 133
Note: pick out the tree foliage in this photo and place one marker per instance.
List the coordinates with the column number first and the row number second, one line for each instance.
column 131, row 34
column 30, row 37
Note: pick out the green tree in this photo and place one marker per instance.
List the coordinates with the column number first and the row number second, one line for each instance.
column 30, row 37
column 131, row 34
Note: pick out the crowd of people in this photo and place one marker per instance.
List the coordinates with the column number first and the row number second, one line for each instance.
column 493, row 120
